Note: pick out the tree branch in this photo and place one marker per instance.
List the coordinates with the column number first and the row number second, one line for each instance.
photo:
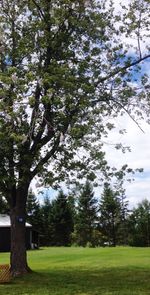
column 138, row 34
column 119, row 104
column 121, row 69
column 40, row 10
column 46, row 158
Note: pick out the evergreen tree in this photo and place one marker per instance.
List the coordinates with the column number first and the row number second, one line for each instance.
column 123, row 232
column 109, row 214
column 86, row 216
column 46, row 235
column 139, row 225
column 61, row 221
column 72, row 203
column 33, row 211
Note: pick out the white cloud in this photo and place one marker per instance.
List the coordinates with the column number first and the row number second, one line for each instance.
column 139, row 157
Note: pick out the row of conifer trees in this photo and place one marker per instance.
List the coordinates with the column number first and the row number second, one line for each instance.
column 79, row 218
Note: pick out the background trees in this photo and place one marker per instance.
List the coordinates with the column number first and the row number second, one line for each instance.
column 139, row 225
column 78, row 218
column 33, row 211
column 45, row 226
column 86, row 216
column 61, row 221
column 110, row 213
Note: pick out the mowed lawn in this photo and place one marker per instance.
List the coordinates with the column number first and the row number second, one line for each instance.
column 83, row 271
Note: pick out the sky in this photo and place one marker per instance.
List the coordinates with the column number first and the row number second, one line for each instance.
column 138, row 141
column 138, row 157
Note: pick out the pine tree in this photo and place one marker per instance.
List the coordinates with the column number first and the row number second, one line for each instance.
column 46, row 235
column 110, row 211
column 86, row 216
column 139, row 225
column 72, row 203
column 61, row 221
column 33, row 211
column 123, row 231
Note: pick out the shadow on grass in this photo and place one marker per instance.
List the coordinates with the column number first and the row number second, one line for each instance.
column 115, row 281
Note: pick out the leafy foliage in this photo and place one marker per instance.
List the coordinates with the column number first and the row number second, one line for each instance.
column 60, row 78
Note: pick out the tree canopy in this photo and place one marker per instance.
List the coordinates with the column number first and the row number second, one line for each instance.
column 60, row 77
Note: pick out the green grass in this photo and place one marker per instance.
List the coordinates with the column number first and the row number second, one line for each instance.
column 83, row 271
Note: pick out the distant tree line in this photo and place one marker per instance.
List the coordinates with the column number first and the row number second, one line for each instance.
column 80, row 219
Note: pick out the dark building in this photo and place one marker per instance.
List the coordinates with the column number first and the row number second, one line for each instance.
column 5, row 240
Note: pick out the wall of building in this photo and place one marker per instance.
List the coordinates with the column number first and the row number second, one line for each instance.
column 5, row 240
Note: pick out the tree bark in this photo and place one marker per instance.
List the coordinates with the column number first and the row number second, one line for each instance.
column 18, row 256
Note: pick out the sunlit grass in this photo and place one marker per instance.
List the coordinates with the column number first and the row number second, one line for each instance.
column 84, row 271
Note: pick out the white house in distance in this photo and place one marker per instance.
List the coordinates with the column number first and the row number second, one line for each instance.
column 5, row 237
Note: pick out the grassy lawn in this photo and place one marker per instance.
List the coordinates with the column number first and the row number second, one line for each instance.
column 83, row 271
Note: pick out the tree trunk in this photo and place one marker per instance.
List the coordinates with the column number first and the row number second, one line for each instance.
column 18, row 256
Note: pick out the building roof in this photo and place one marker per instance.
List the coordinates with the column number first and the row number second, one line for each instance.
column 5, row 221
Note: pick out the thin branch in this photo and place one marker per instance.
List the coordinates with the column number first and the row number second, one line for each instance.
column 121, row 69
column 133, row 120
column 39, row 8
column 126, row 111
column 120, row 105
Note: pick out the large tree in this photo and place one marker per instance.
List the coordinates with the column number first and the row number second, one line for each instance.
column 65, row 67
